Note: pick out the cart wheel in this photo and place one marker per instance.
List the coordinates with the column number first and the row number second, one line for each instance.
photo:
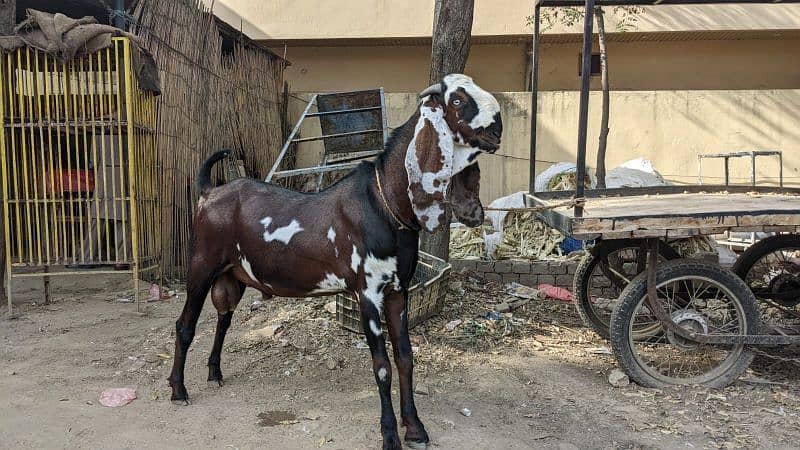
column 771, row 268
column 701, row 297
column 603, row 273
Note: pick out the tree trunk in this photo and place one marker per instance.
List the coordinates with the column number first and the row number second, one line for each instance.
column 601, row 147
column 8, row 17
column 452, row 30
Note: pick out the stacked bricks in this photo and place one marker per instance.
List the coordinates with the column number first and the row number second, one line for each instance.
column 529, row 273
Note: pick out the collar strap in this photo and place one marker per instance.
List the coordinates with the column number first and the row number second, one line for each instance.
column 402, row 225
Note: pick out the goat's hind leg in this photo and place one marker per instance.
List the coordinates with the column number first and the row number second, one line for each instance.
column 198, row 282
column 226, row 294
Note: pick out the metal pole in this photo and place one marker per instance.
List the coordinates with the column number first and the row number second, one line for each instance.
column 534, row 96
column 583, row 118
column 727, row 171
column 119, row 9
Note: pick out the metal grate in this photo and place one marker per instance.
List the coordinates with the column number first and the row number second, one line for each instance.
column 79, row 165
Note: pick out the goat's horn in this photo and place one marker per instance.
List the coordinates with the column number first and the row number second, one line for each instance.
column 432, row 89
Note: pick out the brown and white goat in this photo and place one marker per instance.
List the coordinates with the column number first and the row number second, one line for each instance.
column 360, row 236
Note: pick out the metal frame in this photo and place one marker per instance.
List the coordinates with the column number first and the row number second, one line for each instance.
column 329, row 163
column 52, row 116
column 564, row 223
column 752, row 155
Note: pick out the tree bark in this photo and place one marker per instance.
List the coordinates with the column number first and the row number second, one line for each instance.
column 452, row 31
column 601, row 147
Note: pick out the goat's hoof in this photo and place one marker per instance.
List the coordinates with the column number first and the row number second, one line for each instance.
column 392, row 443
column 416, row 438
column 179, row 395
column 215, row 376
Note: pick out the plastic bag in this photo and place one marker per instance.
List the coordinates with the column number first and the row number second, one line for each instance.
column 114, row 397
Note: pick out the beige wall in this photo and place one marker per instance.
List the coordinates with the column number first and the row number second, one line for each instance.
column 681, row 65
column 396, row 69
column 331, row 19
column 672, row 65
column 669, row 128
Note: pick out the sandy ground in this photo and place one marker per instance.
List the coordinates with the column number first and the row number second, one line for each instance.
column 530, row 380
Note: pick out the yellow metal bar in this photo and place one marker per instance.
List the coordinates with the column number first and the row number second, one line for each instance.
column 4, row 170
column 52, row 194
column 44, row 215
column 132, row 170
column 24, row 156
column 13, row 152
column 121, row 100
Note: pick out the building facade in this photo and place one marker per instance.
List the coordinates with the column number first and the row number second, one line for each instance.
column 687, row 79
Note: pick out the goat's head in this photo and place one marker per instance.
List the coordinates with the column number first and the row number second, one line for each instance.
column 458, row 121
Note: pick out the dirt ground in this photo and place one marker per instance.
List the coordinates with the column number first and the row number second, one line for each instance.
column 533, row 379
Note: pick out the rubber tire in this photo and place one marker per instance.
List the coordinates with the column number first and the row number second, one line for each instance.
column 637, row 289
column 583, row 273
column 762, row 248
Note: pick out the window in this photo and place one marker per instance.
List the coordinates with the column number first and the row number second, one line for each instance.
column 595, row 64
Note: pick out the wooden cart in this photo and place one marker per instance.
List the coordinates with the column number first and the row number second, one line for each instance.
column 676, row 320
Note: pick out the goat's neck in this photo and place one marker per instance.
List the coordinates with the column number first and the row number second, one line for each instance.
column 394, row 178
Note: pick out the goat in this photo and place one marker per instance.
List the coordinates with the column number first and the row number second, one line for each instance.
column 360, row 235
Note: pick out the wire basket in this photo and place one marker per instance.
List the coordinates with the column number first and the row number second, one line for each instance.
column 425, row 296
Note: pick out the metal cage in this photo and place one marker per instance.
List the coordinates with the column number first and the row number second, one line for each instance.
column 79, row 166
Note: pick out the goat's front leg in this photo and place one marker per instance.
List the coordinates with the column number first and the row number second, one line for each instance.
column 371, row 322
column 397, row 319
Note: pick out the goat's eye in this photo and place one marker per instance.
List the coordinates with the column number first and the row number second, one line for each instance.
column 456, row 102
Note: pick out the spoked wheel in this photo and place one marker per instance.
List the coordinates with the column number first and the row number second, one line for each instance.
column 700, row 297
column 602, row 275
column 771, row 268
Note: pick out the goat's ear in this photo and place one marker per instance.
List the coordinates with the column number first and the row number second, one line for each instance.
column 429, row 163
column 465, row 199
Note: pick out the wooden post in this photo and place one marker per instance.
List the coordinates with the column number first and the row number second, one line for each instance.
column 452, row 32
column 601, row 147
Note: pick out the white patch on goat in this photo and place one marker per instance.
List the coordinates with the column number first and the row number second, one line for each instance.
column 378, row 273
column 428, row 180
column 245, row 264
column 461, row 155
column 355, row 260
column 330, row 284
column 487, row 104
column 332, row 238
column 283, row 234
column 375, row 329
column 382, row 373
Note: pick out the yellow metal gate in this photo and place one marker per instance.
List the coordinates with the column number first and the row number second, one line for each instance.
column 79, row 166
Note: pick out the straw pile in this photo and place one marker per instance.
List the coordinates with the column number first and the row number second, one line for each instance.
column 567, row 181
column 467, row 243
column 526, row 237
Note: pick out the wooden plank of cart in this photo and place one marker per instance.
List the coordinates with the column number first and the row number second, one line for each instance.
column 673, row 320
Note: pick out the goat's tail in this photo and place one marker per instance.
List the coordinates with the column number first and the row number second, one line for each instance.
column 204, row 174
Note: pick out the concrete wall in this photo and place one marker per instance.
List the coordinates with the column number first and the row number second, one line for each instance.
column 333, row 19
column 648, row 65
column 396, row 68
column 668, row 127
